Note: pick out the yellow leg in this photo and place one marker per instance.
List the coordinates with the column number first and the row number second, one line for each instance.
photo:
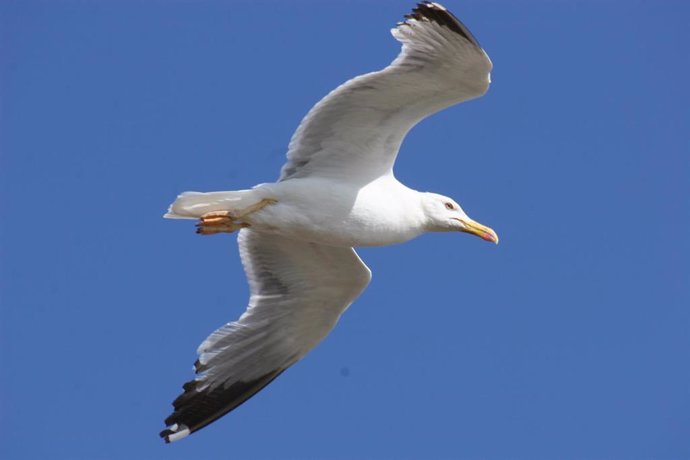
column 242, row 213
column 228, row 221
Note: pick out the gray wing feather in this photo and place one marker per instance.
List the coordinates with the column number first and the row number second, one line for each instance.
column 298, row 292
column 356, row 130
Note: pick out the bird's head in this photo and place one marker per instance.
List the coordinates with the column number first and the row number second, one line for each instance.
column 445, row 215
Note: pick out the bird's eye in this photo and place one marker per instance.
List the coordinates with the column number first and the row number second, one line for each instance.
column 449, row 205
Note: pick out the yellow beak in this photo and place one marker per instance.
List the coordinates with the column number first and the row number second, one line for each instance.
column 482, row 231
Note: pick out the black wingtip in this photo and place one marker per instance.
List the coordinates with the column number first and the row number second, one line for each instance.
column 437, row 13
column 196, row 408
column 165, row 434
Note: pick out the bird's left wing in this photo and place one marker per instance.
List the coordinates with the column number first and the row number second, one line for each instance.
column 298, row 292
column 355, row 131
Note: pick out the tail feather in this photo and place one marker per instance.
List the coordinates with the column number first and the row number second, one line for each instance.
column 192, row 205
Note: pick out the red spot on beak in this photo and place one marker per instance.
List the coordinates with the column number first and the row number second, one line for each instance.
column 488, row 237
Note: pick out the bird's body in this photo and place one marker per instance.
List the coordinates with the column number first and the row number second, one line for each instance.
column 338, row 213
column 337, row 191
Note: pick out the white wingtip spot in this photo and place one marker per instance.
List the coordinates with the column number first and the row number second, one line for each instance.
column 181, row 431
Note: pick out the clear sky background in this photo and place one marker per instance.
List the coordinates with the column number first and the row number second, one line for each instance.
column 571, row 339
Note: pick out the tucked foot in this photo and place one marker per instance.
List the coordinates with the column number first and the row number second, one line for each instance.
column 217, row 217
column 228, row 221
column 218, row 222
column 202, row 229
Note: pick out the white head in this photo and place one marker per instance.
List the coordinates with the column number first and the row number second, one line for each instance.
column 445, row 215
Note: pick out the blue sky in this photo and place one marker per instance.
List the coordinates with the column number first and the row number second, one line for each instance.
column 571, row 339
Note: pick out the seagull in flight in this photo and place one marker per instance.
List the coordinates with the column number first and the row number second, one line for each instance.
column 336, row 191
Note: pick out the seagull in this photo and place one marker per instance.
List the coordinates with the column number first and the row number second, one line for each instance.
column 336, row 191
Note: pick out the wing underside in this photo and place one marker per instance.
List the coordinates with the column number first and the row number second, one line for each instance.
column 298, row 292
column 356, row 130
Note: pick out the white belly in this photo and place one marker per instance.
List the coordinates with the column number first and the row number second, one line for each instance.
column 326, row 212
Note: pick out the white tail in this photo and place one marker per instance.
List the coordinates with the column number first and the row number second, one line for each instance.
column 192, row 205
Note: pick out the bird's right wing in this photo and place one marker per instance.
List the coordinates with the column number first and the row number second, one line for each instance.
column 356, row 130
column 298, row 292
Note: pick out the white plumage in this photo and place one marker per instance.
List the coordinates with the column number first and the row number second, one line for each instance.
column 336, row 191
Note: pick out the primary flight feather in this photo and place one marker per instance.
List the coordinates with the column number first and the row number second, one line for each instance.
column 336, row 191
